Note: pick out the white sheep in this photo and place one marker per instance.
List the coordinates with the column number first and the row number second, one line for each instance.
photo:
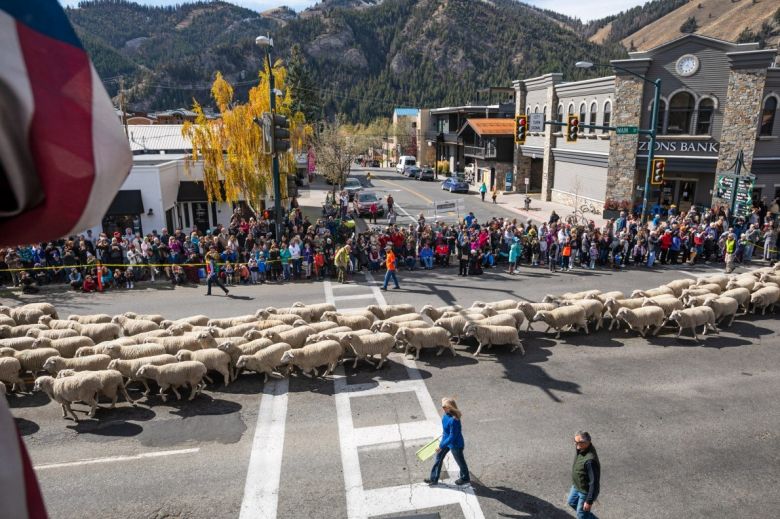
column 213, row 359
column 185, row 342
column 724, row 307
column 530, row 309
column 764, row 298
column 320, row 326
column 89, row 363
column 295, row 337
column 611, row 307
column 316, row 309
column 366, row 346
column 516, row 314
column 741, row 294
column 652, row 292
column 194, row 320
column 356, row 322
column 571, row 317
column 433, row 313
column 111, row 383
column 101, row 332
column 174, row 376
column 454, row 325
column 52, row 334
column 22, row 315
column 719, row 279
column 10, row 332
column 59, row 324
column 666, row 303
column 311, row 356
column 259, row 334
column 141, row 337
column 227, row 322
column 504, row 304
column 500, row 320
column 68, row 347
column 391, row 327
column 18, row 343
column 333, row 334
column 7, row 320
column 129, row 368
column 285, row 318
column 585, row 294
column 235, row 331
column 90, row 319
column 265, row 361
column 149, row 349
column 250, row 348
column 157, row 318
column 31, row 360
column 678, row 285
column 420, row 338
column 301, row 311
column 177, row 328
column 604, row 296
column 746, row 282
column 135, row 326
column 383, row 312
column 488, row 335
column 693, row 317
column 642, row 319
column 10, row 368
column 64, row 391
column 594, row 309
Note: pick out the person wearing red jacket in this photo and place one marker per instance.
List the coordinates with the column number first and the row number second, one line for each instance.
column 666, row 244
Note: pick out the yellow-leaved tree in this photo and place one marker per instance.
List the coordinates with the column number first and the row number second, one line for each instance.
column 230, row 146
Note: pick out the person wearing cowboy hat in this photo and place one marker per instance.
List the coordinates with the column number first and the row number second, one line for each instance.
column 390, row 263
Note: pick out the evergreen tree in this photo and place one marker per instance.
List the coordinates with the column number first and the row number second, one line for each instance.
column 689, row 26
column 305, row 98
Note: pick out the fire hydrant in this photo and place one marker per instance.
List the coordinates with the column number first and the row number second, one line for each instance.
column 527, row 203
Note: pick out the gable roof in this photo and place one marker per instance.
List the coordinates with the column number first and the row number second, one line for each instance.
column 725, row 46
column 491, row 127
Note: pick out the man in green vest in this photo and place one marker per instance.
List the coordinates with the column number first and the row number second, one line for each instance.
column 341, row 260
column 730, row 249
column 585, row 476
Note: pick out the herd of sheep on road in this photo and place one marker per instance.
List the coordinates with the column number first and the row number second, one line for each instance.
column 88, row 356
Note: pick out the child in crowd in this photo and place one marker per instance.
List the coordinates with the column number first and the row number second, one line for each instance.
column 253, row 273
column 229, row 273
column 319, row 264
column 129, row 278
column 243, row 273
column 593, row 253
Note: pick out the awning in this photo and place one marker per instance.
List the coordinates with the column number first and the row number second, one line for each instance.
column 195, row 192
column 126, row 202
column 496, row 126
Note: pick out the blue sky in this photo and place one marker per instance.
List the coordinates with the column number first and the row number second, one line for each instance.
column 586, row 10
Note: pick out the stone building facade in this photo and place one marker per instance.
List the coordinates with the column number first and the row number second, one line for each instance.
column 717, row 99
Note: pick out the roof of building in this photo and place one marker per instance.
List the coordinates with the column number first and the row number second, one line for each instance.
column 726, row 46
column 493, row 126
column 406, row 112
column 147, row 138
column 464, row 108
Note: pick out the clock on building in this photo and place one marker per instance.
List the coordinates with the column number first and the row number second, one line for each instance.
column 687, row 65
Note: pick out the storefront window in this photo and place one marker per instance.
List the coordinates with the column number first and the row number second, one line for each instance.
column 681, row 108
column 593, row 114
column 607, row 115
column 704, row 119
column 768, row 116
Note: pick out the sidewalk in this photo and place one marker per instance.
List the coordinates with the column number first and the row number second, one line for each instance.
column 540, row 211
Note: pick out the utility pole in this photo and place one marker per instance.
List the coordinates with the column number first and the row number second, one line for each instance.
column 268, row 43
column 122, row 104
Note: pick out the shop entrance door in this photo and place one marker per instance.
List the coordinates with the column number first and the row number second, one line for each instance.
column 678, row 192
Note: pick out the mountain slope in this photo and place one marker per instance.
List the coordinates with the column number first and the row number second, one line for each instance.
column 366, row 56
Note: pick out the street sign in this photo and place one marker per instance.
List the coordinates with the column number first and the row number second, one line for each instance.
column 743, row 196
column 725, row 186
column 536, row 123
column 626, row 130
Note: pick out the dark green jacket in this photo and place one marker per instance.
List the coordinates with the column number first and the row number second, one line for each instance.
column 586, row 473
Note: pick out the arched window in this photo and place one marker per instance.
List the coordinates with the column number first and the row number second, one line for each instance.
column 607, row 115
column 659, row 127
column 544, row 112
column 593, row 114
column 704, row 119
column 768, row 115
column 571, row 109
column 536, row 109
column 681, row 108
column 583, row 116
column 560, row 113
column 527, row 110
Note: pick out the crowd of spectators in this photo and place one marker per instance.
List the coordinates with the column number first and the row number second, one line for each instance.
column 307, row 251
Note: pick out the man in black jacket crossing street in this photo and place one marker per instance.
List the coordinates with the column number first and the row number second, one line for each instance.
column 585, row 476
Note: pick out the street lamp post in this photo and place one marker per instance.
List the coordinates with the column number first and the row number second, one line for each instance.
column 268, row 43
column 653, row 124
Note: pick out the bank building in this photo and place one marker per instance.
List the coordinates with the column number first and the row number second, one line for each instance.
column 719, row 100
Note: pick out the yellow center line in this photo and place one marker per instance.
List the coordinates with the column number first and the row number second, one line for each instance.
column 415, row 193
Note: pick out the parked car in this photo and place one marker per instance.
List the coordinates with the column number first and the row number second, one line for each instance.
column 365, row 199
column 412, row 171
column 375, row 163
column 352, row 186
column 426, row 174
column 455, row 185
column 403, row 162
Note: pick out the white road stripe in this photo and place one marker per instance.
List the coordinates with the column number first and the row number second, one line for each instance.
column 405, row 212
column 356, row 296
column 112, row 459
column 261, row 491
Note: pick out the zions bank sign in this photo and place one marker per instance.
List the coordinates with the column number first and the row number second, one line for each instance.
column 682, row 147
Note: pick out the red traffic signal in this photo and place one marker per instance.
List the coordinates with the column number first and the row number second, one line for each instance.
column 521, row 127
column 572, row 127
column 658, row 170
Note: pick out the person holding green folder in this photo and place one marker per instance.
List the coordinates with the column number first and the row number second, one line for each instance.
column 451, row 441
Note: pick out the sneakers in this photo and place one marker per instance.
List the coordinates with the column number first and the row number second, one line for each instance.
column 462, row 482
column 430, row 481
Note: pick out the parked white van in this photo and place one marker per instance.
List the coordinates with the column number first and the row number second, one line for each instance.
column 403, row 162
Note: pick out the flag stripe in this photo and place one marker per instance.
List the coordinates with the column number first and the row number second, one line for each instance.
column 43, row 16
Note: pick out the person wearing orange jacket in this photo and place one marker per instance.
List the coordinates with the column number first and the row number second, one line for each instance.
column 390, row 263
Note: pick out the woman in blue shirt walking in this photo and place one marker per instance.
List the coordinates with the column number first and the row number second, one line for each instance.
column 451, row 441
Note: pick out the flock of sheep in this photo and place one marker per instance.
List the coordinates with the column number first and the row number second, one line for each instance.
column 88, row 356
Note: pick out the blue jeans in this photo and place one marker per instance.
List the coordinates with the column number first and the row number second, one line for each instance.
column 650, row 258
column 459, row 459
column 286, row 269
column 390, row 274
column 427, row 261
column 576, row 501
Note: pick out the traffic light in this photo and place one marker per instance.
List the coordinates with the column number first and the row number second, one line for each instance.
column 521, row 125
column 657, row 175
column 572, row 127
column 281, row 133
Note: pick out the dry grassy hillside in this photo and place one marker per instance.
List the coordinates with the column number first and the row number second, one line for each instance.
column 722, row 19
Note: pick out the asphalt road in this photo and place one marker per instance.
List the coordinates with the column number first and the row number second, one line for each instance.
column 683, row 429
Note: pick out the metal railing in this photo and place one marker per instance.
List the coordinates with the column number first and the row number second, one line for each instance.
column 482, row 152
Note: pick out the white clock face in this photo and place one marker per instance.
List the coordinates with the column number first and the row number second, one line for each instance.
column 687, row 65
